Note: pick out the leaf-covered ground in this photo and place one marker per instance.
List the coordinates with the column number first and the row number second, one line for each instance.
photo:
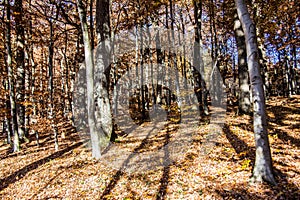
column 223, row 172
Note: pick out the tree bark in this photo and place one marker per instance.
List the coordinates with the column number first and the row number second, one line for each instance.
column 92, row 24
column 20, row 81
column 13, row 115
column 198, row 70
column 174, row 57
column 263, row 169
column 52, row 114
column 89, row 64
column 103, row 60
column 244, row 88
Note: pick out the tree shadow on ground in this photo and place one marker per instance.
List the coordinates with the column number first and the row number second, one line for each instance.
column 285, row 137
column 280, row 114
column 166, row 170
column 283, row 190
column 117, row 176
column 10, row 154
column 34, row 196
column 17, row 175
column 164, row 181
column 45, row 142
column 240, row 146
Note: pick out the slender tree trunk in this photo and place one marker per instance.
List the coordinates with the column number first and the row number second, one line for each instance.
column 142, row 88
column 244, row 92
column 198, row 70
column 26, row 87
column 6, row 124
column 183, row 59
column 174, row 56
column 11, row 89
column 261, row 51
column 168, row 64
column 293, row 70
column 68, row 85
column 20, row 81
column 33, row 119
column 92, row 24
column 31, row 82
column 52, row 113
column 160, row 67
column 263, row 169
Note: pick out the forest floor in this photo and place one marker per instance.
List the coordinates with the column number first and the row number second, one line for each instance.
column 223, row 172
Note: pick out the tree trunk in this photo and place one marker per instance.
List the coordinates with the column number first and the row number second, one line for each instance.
column 20, row 80
column 92, row 24
column 160, row 67
column 174, row 57
column 103, row 61
column 263, row 169
column 52, row 114
column 13, row 115
column 244, row 92
column 142, row 88
column 89, row 64
column 198, row 71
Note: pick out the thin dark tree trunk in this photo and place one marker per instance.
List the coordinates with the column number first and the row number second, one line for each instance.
column 92, row 24
column 168, row 63
column 142, row 87
column 198, row 60
column 160, row 71
column 293, row 70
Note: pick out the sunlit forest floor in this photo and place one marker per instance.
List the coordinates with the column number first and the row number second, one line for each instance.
column 221, row 173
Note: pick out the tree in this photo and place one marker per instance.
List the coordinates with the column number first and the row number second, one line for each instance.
column 263, row 169
column 244, row 88
column 52, row 113
column 198, row 60
column 103, row 60
column 20, row 80
column 89, row 64
column 11, row 88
